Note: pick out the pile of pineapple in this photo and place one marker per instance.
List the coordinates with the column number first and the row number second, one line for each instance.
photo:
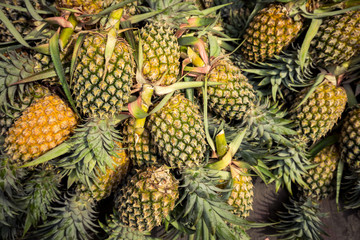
column 150, row 119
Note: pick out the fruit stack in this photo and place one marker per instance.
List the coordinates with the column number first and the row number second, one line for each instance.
column 151, row 119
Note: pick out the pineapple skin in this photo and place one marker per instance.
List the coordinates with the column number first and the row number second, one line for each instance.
column 10, row 113
column 161, row 53
column 320, row 112
column 101, row 96
column 141, row 148
column 337, row 40
column 147, row 198
column 350, row 139
column 178, row 132
column 46, row 123
column 86, row 6
column 232, row 100
column 319, row 178
column 241, row 197
column 270, row 32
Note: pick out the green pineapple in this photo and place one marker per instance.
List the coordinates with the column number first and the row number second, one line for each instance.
column 350, row 139
column 178, row 132
column 320, row 111
column 319, row 178
column 147, row 199
column 337, row 39
column 141, row 148
column 232, row 100
column 96, row 94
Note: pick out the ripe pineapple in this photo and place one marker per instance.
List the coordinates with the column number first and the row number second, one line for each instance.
column 45, row 124
column 106, row 183
column 319, row 178
column 321, row 110
column 9, row 113
column 147, row 199
column 85, row 6
column 178, row 132
column 350, row 139
column 233, row 99
column 337, row 39
column 270, row 31
column 241, row 197
column 141, row 148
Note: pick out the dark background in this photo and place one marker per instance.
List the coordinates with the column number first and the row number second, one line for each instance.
column 343, row 225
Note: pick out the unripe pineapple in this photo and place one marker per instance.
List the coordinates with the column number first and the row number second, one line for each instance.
column 269, row 32
column 235, row 97
column 110, row 180
column 321, row 110
column 338, row 39
column 45, row 124
column 350, row 139
column 98, row 95
column 141, row 148
column 161, row 53
column 241, row 197
column 319, row 178
column 147, row 198
column 178, row 132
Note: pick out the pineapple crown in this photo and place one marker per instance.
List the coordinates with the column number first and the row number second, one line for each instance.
column 352, row 191
column 300, row 221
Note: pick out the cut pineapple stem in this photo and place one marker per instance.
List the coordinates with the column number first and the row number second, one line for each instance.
column 66, row 33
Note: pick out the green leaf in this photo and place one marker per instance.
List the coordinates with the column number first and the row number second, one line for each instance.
column 55, row 56
column 310, row 34
column 74, row 56
column 32, row 10
column 50, row 155
column 340, row 169
column 12, row 29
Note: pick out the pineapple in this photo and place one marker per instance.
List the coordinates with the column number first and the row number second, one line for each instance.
column 270, row 31
column 319, row 178
column 178, row 132
column 161, row 51
column 337, row 39
column 141, row 148
column 45, row 124
column 147, row 199
column 100, row 90
column 96, row 94
column 241, row 197
column 350, row 139
column 320, row 111
column 106, row 183
column 9, row 113
column 233, row 99
column 84, row 6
